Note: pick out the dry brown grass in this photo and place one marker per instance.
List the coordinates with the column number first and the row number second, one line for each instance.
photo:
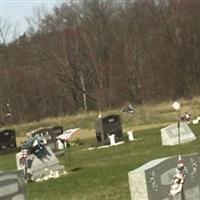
column 145, row 117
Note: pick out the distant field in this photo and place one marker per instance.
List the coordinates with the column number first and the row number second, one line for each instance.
column 145, row 117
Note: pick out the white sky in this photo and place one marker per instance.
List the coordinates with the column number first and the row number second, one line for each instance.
column 15, row 11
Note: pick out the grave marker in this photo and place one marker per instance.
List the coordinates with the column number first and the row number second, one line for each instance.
column 130, row 135
column 7, row 139
column 169, row 134
column 106, row 126
column 152, row 181
column 12, row 185
column 38, row 161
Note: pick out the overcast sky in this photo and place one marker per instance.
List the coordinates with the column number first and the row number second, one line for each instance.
column 16, row 10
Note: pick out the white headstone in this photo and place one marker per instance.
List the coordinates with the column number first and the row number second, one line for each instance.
column 18, row 161
column 195, row 121
column 59, row 144
column 153, row 180
column 112, row 139
column 169, row 135
column 130, row 135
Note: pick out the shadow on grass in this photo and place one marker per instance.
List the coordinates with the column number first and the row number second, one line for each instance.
column 75, row 169
column 10, row 150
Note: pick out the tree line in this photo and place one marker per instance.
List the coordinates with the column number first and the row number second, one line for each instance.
column 99, row 54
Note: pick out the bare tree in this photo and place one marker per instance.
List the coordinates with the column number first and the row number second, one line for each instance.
column 8, row 32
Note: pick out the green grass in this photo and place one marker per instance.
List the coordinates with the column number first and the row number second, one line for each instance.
column 102, row 174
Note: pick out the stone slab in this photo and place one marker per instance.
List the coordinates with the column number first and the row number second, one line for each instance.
column 12, row 185
column 152, row 181
column 169, row 134
column 44, row 167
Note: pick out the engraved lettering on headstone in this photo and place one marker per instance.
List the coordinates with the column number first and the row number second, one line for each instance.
column 153, row 182
column 157, row 175
column 194, row 168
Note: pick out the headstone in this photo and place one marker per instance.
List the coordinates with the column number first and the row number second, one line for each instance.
column 195, row 121
column 12, row 185
column 7, row 139
column 112, row 139
column 106, row 126
column 59, row 144
column 39, row 168
column 49, row 133
column 169, row 135
column 152, row 181
column 130, row 135
column 42, row 167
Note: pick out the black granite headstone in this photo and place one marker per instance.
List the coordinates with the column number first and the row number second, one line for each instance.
column 107, row 126
column 7, row 139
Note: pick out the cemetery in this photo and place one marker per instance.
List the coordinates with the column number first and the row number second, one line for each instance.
column 99, row 100
column 150, row 164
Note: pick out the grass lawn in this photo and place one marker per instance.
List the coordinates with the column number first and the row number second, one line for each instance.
column 102, row 174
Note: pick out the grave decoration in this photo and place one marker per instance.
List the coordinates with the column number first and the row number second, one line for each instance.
column 49, row 134
column 130, row 135
column 63, row 139
column 38, row 161
column 178, row 179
